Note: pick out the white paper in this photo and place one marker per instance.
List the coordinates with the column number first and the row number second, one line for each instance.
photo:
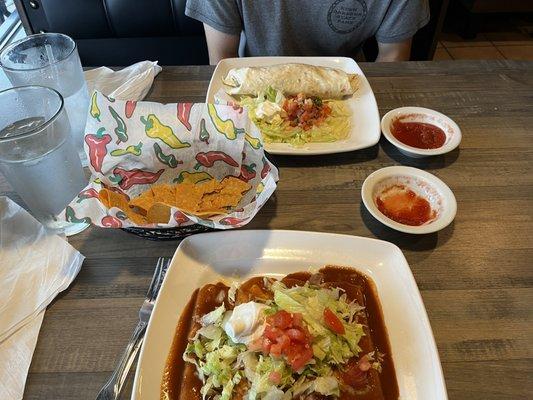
column 130, row 83
column 34, row 267
column 204, row 132
column 16, row 353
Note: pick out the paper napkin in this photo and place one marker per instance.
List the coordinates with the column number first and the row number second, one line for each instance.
column 130, row 83
column 34, row 267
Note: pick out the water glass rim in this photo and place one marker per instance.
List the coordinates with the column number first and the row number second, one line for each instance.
column 33, row 36
column 45, row 124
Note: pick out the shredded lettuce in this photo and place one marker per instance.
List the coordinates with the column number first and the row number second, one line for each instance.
column 261, row 383
column 277, row 130
column 274, row 394
column 326, row 385
column 214, row 356
column 221, row 364
column 214, row 316
column 271, row 94
column 310, row 302
column 232, row 292
column 228, row 387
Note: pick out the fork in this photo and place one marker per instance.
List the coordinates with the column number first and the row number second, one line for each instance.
column 111, row 390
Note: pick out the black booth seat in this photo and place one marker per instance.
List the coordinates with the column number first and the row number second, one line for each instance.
column 121, row 32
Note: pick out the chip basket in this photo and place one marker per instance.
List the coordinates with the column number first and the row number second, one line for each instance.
column 168, row 233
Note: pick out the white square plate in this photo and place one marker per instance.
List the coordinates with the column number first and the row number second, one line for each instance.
column 207, row 258
column 365, row 128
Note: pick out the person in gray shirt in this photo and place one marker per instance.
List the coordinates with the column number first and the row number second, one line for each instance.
column 308, row 27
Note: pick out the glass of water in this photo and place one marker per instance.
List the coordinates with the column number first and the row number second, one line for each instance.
column 37, row 155
column 51, row 60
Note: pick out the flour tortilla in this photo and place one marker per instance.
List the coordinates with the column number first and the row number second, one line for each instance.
column 291, row 79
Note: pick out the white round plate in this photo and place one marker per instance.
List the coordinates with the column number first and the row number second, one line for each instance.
column 421, row 182
column 420, row 114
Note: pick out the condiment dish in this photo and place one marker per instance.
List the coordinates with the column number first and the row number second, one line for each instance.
column 424, row 184
column 424, row 115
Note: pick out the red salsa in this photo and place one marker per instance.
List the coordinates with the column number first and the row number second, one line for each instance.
column 418, row 134
column 404, row 206
column 305, row 112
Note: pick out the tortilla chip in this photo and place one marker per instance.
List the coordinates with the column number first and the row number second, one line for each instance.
column 158, row 213
column 210, row 186
column 113, row 199
column 204, row 198
column 187, row 196
column 144, row 201
column 163, row 193
column 103, row 196
column 217, row 201
column 231, row 184
column 136, row 218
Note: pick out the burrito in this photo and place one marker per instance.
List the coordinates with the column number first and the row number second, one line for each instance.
column 291, row 79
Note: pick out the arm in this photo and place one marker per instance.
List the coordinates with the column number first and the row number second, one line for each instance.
column 388, row 52
column 220, row 45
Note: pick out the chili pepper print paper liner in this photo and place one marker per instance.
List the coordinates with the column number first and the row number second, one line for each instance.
column 132, row 145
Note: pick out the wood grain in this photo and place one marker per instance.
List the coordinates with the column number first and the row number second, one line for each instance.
column 475, row 276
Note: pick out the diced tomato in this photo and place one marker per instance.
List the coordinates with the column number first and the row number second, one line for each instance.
column 275, row 349
column 354, row 376
column 299, row 357
column 364, row 364
column 298, row 363
column 297, row 335
column 290, row 106
column 267, row 343
column 282, row 319
column 274, row 377
column 285, row 341
column 271, row 332
column 333, row 322
column 286, row 336
column 305, row 112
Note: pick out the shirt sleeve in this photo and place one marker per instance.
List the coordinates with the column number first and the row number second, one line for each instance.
column 222, row 15
column 402, row 19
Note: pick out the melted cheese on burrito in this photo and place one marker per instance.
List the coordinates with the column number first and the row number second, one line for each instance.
column 291, row 79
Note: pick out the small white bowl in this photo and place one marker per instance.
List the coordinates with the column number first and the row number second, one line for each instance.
column 420, row 114
column 422, row 183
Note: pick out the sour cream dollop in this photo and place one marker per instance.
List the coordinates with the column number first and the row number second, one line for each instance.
column 246, row 322
column 267, row 110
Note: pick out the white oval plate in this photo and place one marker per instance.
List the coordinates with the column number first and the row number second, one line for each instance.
column 421, row 182
column 450, row 128
column 238, row 255
column 365, row 130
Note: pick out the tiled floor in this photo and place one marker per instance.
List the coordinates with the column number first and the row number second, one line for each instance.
column 486, row 46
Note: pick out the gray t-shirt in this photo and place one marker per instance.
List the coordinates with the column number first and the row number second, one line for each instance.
column 311, row 27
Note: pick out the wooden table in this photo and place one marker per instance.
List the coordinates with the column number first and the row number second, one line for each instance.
column 475, row 276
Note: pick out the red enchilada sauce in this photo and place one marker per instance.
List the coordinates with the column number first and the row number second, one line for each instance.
column 180, row 381
column 418, row 134
column 404, row 206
